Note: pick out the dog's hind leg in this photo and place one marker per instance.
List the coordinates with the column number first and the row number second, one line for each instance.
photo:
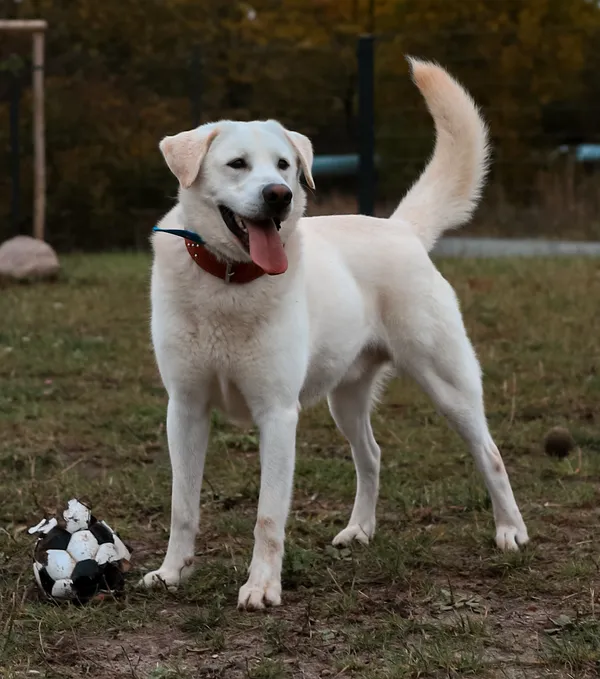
column 350, row 405
column 441, row 359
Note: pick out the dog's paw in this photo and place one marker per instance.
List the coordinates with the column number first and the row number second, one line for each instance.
column 509, row 537
column 256, row 595
column 163, row 577
column 360, row 532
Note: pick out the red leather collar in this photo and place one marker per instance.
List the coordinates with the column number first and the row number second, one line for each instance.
column 241, row 272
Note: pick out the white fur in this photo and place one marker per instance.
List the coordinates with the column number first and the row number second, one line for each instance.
column 361, row 298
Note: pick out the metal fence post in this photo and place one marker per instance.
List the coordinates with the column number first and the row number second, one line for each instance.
column 15, row 154
column 366, row 125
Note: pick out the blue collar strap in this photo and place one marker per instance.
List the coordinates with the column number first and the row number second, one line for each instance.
column 184, row 233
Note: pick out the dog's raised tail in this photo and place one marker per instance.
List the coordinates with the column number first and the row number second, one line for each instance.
column 448, row 190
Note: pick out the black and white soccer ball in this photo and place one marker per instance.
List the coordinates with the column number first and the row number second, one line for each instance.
column 78, row 557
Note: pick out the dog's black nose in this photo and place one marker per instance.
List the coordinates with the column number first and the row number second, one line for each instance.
column 277, row 196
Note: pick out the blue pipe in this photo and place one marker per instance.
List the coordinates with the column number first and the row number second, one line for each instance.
column 335, row 165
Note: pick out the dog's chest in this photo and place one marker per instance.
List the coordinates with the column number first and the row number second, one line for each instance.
column 224, row 342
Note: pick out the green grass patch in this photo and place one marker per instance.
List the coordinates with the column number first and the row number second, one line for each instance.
column 82, row 412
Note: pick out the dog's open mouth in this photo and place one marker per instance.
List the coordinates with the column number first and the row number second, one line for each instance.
column 260, row 238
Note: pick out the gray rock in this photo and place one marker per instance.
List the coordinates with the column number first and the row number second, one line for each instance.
column 24, row 258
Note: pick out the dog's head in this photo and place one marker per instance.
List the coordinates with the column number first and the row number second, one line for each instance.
column 240, row 187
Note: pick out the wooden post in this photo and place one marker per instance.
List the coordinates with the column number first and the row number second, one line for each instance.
column 39, row 142
column 25, row 25
column 37, row 28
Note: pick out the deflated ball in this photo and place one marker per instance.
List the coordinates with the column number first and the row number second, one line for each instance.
column 78, row 557
column 76, row 516
column 59, row 564
column 106, row 553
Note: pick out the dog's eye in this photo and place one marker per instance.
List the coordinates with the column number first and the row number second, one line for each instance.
column 283, row 164
column 238, row 164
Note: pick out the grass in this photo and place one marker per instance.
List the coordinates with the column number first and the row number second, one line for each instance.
column 82, row 413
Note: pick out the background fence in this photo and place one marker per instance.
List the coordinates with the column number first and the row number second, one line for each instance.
column 123, row 74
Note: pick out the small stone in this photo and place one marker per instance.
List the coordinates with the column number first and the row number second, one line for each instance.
column 25, row 258
column 559, row 442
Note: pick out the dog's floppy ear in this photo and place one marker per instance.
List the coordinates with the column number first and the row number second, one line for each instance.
column 303, row 147
column 184, row 152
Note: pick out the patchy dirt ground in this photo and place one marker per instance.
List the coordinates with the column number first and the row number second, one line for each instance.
column 82, row 412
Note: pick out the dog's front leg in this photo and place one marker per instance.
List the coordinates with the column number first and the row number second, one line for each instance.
column 188, row 425
column 277, row 454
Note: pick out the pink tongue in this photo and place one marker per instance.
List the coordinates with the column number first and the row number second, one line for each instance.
column 266, row 248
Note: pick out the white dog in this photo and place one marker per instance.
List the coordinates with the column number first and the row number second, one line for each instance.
column 274, row 311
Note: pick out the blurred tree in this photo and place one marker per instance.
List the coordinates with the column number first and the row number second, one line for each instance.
column 119, row 78
column 517, row 57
